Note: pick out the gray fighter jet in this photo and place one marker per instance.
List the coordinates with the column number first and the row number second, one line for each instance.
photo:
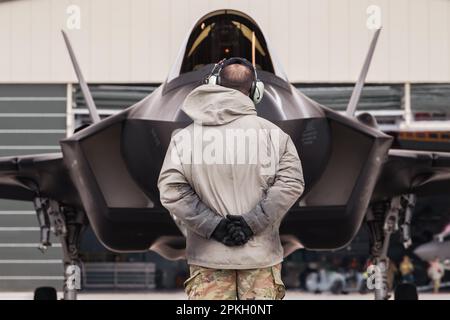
column 438, row 248
column 106, row 175
column 434, row 249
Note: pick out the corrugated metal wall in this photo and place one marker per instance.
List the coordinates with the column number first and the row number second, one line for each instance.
column 32, row 120
column 137, row 40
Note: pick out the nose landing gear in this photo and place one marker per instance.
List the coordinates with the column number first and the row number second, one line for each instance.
column 383, row 219
column 67, row 224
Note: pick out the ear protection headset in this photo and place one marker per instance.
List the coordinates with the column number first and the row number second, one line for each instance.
column 257, row 88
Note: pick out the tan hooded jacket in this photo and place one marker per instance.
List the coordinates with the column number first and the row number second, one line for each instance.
column 211, row 170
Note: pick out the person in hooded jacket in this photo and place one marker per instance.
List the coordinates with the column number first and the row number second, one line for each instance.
column 229, row 198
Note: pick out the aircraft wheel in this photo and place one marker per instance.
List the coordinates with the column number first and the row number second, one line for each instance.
column 45, row 293
column 406, row 291
column 363, row 288
column 337, row 287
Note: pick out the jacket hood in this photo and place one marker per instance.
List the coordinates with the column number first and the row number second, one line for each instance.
column 216, row 105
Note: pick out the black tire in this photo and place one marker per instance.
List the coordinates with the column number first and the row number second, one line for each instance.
column 45, row 293
column 363, row 289
column 406, row 291
column 337, row 287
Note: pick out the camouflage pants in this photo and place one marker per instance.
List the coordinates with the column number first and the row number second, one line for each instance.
column 227, row 284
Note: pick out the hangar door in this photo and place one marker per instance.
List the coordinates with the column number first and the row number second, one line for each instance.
column 32, row 120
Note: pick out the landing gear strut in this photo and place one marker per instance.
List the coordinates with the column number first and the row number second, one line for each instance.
column 383, row 219
column 67, row 224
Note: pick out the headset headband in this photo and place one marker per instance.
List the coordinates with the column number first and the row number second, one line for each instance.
column 236, row 60
column 257, row 87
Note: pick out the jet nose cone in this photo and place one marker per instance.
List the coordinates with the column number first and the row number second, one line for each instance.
column 427, row 251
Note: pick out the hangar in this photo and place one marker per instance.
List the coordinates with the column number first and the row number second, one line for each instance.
column 127, row 47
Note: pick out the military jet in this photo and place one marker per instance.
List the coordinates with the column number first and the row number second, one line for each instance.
column 434, row 249
column 438, row 248
column 106, row 175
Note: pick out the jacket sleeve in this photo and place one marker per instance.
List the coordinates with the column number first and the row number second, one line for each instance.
column 288, row 186
column 177, row 196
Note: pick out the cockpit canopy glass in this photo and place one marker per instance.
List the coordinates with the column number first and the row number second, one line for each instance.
column 225, row 36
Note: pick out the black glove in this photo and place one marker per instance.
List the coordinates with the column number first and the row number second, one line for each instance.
column 221, row 231
column 229, row 233
column 235, row 234
column 239, row 222
column 233, row 231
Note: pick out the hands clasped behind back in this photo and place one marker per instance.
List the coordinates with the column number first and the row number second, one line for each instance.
column 232, row 231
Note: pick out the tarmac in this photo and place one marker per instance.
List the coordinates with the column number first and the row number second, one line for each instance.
column 179, row 295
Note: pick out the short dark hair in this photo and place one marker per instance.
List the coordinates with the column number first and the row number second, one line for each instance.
column 238, row 77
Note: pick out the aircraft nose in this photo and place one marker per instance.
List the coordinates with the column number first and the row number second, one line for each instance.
column 426, row 252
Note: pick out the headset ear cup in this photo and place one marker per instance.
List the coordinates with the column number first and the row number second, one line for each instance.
column 212, row 80
column 259, row 92
column 252, row 90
